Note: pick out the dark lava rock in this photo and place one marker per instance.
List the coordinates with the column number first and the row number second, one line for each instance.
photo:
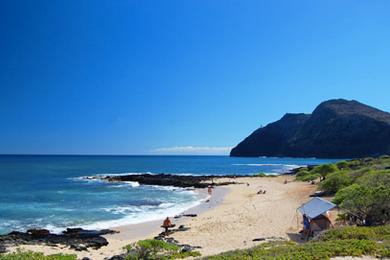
column 82, row 233
column 38, row 233
column 78, row 247
column 78, row 239
column 169, row 180
column 3, row 249
column 186, row 215
column 117, row 257
column 336, row 129
column 258, row 239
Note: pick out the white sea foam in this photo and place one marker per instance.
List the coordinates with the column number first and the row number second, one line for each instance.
column 124, row 184
column 132, row 183
column 144, row 214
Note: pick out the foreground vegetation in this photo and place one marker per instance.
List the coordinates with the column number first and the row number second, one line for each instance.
column 361, row 188
column 346, row 241
column 35, row 256
column 349, row 241
column 152, row 249
column 156, row 249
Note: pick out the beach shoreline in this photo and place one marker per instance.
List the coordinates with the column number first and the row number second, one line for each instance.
column 234, row 216
column 131, row 233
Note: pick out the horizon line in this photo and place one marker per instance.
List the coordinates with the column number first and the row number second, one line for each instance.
column 76, row 154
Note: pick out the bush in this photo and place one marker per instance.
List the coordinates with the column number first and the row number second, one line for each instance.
column 370, row 205
column 378, row 233
column 310, row 250
column 156, row 249
column 305, row 175
column 361, row 187
column 343, row 193
column 342, row 165
column 325, row 169
column 28, row 255
column 374, row 178
column 335, row 181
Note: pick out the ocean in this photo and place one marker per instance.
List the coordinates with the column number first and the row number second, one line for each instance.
column 50, row 191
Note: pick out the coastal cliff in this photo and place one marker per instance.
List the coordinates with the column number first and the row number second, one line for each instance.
column 336, row 129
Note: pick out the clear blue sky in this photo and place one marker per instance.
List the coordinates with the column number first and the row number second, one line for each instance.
column 130, row 77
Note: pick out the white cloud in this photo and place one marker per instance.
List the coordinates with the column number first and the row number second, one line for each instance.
column 196, row 150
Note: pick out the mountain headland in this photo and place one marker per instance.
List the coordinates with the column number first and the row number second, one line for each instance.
column 337, row 128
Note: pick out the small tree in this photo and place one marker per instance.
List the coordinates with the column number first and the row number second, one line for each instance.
column 369, row 205
column 325, row 169
column 157, row 250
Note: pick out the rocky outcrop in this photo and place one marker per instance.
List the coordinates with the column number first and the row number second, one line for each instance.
column 167, row 180
column 75, row 238
column 336, row 129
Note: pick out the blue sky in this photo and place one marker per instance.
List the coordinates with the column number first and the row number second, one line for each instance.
column 141, row 77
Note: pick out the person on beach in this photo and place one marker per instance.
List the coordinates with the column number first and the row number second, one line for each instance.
column 306, row 226
column 210, row 190
column 167, row 224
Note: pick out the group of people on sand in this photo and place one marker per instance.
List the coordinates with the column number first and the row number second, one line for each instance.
column 167, row 223
column 261, row 192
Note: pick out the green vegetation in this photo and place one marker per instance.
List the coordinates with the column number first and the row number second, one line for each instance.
column 305, row 175
column 324, row 170
column 156, row 249
column 361, row 187
column 28, row 255
column 379, row 233
column 349, row 241
column 310, row 250
column 336, row 181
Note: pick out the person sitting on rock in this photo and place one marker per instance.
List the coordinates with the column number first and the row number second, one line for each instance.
column 167, row 224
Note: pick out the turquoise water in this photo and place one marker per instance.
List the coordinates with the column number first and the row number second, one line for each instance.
column 49, row 191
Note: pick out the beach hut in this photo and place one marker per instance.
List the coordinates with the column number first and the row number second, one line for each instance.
column 315, row 215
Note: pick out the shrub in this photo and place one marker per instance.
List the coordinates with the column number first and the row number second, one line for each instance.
column 29, row 255
column 378, row 233
column 342, row 165
column 310, row 250
column 343, row 193
column 335, row 181
column 370, row 205
column 374, row 178
column 305, row 175
column 156, row 249
column 325, row 169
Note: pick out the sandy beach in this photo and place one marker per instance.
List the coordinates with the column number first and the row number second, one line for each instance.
column 234, row 216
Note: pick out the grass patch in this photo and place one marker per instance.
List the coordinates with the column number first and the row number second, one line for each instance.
column 310, row 250
column 347, row 241
column 156, row 249
column 378, row 233
column 29, row 255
